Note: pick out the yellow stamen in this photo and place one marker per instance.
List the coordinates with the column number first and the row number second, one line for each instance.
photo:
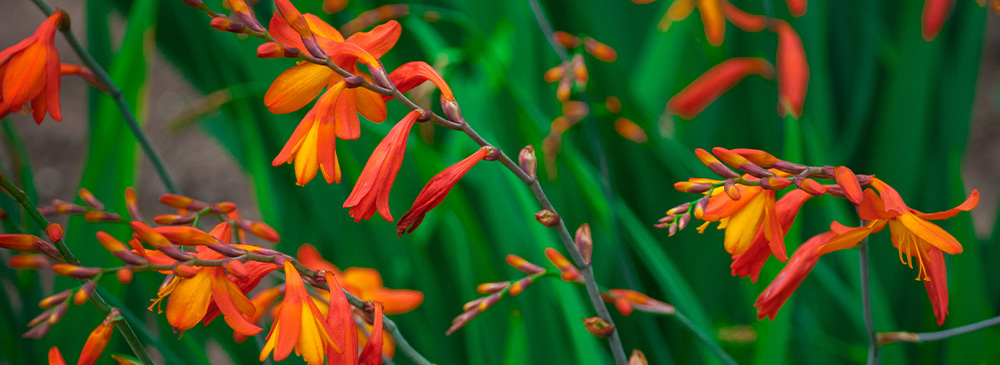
column 163, row 292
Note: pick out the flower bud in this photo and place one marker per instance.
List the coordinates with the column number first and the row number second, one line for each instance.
column 599, row 327
column 527, row 161
column 124, row 275
column 74, row 271
column 554, row 74
column 547, row 218
column 223, row 207
column 613, row 104
column 637, row 358
column 451, row 110
column 237, row 269
column 226, row 250
column 184, row 270
column 600, row 50
column 846, row 179
column 473, row 304
column 54, row 231
column 692, row 187
column 775, row 183
column 54, row 300
column 520, row 285
column 168, row 219
column 740, row 163
column 186, row 236
column 569, row 272
column 40, row 330
column 182, row 202
column 683, row 221
column 246, row 15
column 566, row 40
column 757, row 157
column 523, row 265
column 584, row 242
column 18, row 242
column 462, row 320
column 264, row 231
column 810, row 186
column 791, row 168
column 99, row 217
column 731, row 189
column 99, row 338
column 221, row 23
column 354, row 81
column 48, row 249
column 83, row 294
column 118, row 249
column 58, row 313
column 489, row 301
column 490, row 288
column 714, row 164
column 132, row 204
column 89, row 199
column 680, row 209
column 28, row 261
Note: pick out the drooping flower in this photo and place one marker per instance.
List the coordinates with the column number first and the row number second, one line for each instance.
column 793, row 70
column 298, row 325
column 911, row 234
column 750, row 262
column 335, row 114
column 412, row 74
column 436, row 190
column 713, row 83
column 30, row 73
column 371, row 192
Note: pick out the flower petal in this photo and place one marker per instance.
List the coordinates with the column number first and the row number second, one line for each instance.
column 189, row 301
column 379, row 40
column 296, row 87
column 931, row 233
column 970, row 203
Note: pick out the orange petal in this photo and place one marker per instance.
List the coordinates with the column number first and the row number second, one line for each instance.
column 679, row 9
column 346, row 116
column 743, row 20
column 845, row 237
column 370, row 105
column 288, row 323
column 372, row 353
column 934, row 15
column 189, row 301
column 296, row 87
column 288, row 152
column 795, row 271
column 937, row 286
column 970, row 203
column 234, row 305
column 379, row 40
column 25, row 76
column 323, row 29
column 793, row 70
column 340, row 322
column 931, row 233
column 311, row 258
column 398, row 301
column 796, row 7
column 849, row 183
column 715, row 24
column 363, row 279
column 706, row 88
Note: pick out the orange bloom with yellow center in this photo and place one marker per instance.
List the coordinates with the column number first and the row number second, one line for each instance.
column 211, row 291
column 751, row 212
column 30, row 73
column 298, row 325
column 335, row 114
column 917, row 239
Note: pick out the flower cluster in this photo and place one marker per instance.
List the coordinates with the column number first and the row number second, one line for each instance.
column 755, row 221
column 209, row 274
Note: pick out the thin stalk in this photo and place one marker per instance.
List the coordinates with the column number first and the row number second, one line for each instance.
column 119, row 98
column 891, row 337
column 866, row 301
column 704, row 338
column 67, row 255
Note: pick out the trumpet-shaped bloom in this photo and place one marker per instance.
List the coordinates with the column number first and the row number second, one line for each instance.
column 713, row 83
column 750, row 262
column 436, row 190
column 98, row 339
column 298, row 325
column 371, row 192
column 30, row 73
column 743, row 218
column 335, row 114
column 917, row 240
column 364, row 283
column 211, row 290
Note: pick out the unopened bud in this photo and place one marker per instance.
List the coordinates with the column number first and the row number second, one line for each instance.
column 523, row 265
column 271, row 50
column 226, row 250
column 132, row 204
column 223, row 208
column 683, row 221
column 74, row 271
column 492, row 153
column 39, row 331
column 775, row 183
column 221, row 24
column 83, row 294
column 91, row 200
column 58, row 313
column 473, row 304
column 39, row 319
column 600, row 50
column 490, row 288
column 381, row 78
column 354, row 81
column 692, row 187
column 168, row 219
column 246, row 15
column 462, row 320
column 547, row 218
column 791, row 168
column 680, row 209
column 55, row 299
column 182, row 202
column 580, row 70
column 849, row 183
column 637, row 358
column 48, row 249
column 264, row 231
column 99, row 217
column 554, row 74
column 184, row 270
column 740, row 163
column 527, row 161
column 671, row 229
column 714, row 164
column 520, row 285
column 599, row 327
column 489, row 301
column 757, row 157
column 566, row 40
column 584, row 242
column 569, row 272
column 54, row 231
column 28, row 261
column 186, row 236
column 237, row 269
column 124, row 275
column 731, row 189
column 810, row 186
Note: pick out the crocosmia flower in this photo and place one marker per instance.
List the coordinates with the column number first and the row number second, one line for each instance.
column 30, row 73
column 371, row 193
column 436, row 190
column 298, row 325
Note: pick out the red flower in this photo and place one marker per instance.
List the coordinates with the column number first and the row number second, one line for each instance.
column 436, row 190
column 30, row 73
column 371, row 192
column 793, row 70
column 713, row 83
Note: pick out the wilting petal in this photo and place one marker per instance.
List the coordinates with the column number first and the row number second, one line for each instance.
column 296, row 87
column 708, row 87
column 793, row 70
column 379, row 40
column 798, row 267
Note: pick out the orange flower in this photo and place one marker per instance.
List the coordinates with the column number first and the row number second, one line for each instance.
column 99, row 338
column 713, row 83
column 30, row 73
column 298, row 325
column 912, row 235
column 752, row 212
column 211, row 291
column 796, row 7
column 711, row 16
column 412, row 74
column 436, row 190
column 55, row 357
column 364, row 283
column 340, row 321
column 335, row 114
column 750, row 262
column 371, row 192
column 372, row 354
column 793, row 70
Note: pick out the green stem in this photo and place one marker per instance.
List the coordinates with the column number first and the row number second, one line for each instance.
column 704, row 338
column 119, row 98
column 866, row 301
column 96, row 298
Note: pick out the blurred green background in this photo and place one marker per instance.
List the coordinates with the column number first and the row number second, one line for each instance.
column 881, row 100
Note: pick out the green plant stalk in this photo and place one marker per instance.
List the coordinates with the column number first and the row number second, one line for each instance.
column 940, row 335
column 119, row 98
column 99, row 302
column 866, row 301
